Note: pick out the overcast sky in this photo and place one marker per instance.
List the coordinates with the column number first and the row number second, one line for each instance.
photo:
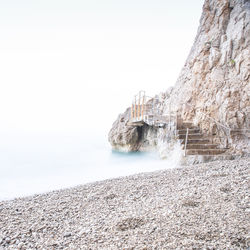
column 70, row 65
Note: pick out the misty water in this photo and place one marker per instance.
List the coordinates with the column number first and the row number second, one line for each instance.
column 37, row 163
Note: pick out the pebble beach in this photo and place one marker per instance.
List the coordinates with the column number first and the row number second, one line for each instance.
column 203, row 206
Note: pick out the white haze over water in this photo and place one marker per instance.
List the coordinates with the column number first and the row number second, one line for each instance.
column 40, row 163
column 67, row 69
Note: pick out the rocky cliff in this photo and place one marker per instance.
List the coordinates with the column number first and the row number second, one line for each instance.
column 213, row 87
column 215, row 77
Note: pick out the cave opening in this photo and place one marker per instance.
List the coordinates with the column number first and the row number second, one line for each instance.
column 139, row 131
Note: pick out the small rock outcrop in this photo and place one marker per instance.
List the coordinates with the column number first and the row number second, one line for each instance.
column 126, row 138
column 123, row 137
column 213, row 88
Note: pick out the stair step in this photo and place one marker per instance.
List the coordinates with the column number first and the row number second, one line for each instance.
column 191, row 131
column 190, row 136
column 189, row 125
column 196, row 141
column 240, row 132
column 185, row 127
column 240, row 129
column 202, row 146
column 205, row 151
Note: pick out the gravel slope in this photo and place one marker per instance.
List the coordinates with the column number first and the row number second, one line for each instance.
column 204, row 206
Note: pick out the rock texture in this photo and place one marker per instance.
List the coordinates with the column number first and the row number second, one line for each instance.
column 199, row 207
column 126, row 138
column 215, row 78
column 214, row 83
column 123, row 137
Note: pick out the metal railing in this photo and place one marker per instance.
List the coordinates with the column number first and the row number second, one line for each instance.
column 185, row 149
column 219, row 124
column 144, row 109
column 225, row 129
column 139, row 107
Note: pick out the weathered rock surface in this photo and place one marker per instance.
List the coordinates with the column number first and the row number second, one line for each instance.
column 126, row 138
column 199, row 207
column 215, row 80
column 123, row 137
column 216, row 76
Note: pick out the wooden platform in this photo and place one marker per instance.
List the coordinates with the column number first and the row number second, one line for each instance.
column 136, row 124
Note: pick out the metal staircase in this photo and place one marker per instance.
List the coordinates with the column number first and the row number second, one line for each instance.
column 144, row 110
column 196, row 143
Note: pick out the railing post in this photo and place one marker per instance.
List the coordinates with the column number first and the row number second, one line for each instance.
column 176, row 125
column 153, row 111
column 143, row 100
column 132, row 107
column 169, row 120
column 139, row 108
column 135, row 113
column 186, row 143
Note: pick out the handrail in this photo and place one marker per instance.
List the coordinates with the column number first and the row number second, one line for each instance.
column 185, row 150
column 222, row 125
column 170, row 113
column 214, row 120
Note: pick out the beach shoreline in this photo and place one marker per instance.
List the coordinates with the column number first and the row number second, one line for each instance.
column 199, row 206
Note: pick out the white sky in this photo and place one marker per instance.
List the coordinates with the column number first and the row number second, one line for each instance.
column 70, row 65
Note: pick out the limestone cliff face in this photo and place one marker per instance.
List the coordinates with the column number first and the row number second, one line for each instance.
column 215, row 80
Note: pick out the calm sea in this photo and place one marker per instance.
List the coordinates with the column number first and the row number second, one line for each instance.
column 32, row 163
